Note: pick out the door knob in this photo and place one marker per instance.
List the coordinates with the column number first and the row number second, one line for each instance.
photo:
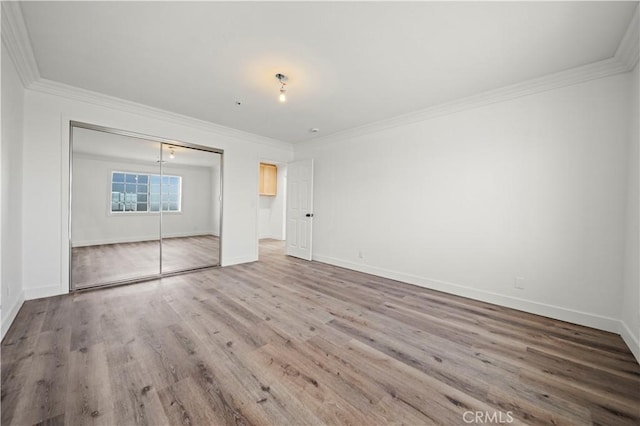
column 309, row 215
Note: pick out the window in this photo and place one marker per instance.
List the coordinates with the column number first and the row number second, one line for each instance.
column 143, row 192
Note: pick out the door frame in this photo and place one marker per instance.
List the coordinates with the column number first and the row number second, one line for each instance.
column 95, row 127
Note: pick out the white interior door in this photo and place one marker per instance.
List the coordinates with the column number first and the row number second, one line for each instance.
column 299, row 208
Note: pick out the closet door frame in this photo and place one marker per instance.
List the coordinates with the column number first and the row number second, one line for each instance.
column 78, row 124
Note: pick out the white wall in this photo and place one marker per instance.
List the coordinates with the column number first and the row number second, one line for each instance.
column 93, row 223
column 532, row 187
column 11, row 265
column 631, row 290
column 46, row 162
column 271, row 210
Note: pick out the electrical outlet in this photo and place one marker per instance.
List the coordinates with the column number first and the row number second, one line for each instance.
column 519, row 283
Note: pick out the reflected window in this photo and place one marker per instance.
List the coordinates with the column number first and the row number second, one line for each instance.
column 144, row 192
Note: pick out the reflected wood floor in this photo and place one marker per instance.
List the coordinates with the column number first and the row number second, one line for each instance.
column 100, row 264
column 284, row 341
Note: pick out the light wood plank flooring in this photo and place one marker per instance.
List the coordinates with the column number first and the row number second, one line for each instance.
column 100, row 264
column 288, row 342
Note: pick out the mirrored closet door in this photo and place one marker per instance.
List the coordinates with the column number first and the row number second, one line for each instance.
column 140, row 207
column 191, row 208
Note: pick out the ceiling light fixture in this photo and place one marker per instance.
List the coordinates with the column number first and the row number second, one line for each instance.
column 172, row 154
column 283, row 82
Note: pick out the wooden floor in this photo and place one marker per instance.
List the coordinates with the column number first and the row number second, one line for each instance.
column 101, row 264
column 284, row 341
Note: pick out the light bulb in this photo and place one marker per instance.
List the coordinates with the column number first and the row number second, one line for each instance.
column 283, row 95
column 172, row 155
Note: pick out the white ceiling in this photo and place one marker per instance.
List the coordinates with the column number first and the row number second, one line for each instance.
column 349, row 63
column 113, row 146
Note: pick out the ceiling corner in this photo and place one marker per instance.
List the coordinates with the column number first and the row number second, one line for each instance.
column 16, row 40
column 629, row 47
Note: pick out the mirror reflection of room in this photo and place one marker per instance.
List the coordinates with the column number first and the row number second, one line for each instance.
column 140, row 209
column 190, row 208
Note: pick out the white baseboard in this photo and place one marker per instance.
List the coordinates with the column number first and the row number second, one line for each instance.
column 630, row 339
column 38, row 292
column 229, row 261
column 8, row 315
column 551, row 311
column 85, row 243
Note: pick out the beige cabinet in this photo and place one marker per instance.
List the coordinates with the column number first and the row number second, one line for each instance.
column 268, row 179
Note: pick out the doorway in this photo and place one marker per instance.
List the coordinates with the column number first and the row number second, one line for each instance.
column 272, row 201
column 141, row 207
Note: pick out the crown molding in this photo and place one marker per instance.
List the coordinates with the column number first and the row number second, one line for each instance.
column 99, row 99
column 569, row 77
column 16, row 40
column 629, row 47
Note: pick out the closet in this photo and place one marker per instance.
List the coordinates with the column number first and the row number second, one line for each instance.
column 141, row 207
